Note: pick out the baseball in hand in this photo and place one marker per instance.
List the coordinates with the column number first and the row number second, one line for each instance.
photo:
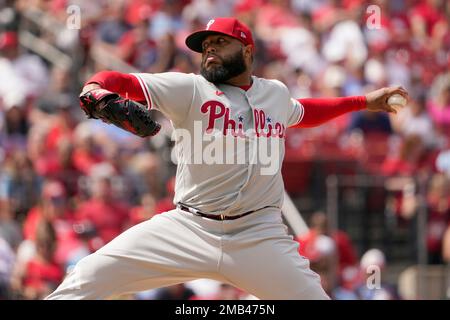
column 396, row 101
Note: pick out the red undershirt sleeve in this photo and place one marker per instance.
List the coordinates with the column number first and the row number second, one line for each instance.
column 320, row 110
column 126, row 85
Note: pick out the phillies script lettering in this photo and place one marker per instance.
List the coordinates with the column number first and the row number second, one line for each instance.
column 216, row 110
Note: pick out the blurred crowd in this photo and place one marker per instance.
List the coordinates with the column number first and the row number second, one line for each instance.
column 69, row 185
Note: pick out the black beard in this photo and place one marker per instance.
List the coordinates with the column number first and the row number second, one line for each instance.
column 232, row 66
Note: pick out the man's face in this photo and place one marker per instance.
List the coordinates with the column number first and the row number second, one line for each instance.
column 222, row 58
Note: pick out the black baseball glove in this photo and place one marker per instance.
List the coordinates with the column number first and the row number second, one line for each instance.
column 123, row 113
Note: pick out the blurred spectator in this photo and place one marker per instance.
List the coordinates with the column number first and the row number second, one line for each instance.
column 7, row 258
column 426, row 17
column 60, row 91
column 319, row 226
column 375, row 72
column 10, row 16
column 414, row 120
column 293, row 40
column 10, row 229
column 370, row 122
column 204, row 10
column 446, row 246
column 146, row 210
column 322, row 253
column 229, row 292
column 145, row 170
column 136, row 48
column 113, row 26
column 19, row 184
column 225, row 292
column 346, row 287
column 58, row 165
column 373, row 285
column 438, row 203
column 20, row 73
column 86, row 153
column 103, row 210
column 379, row 38
column 14, row 127
column 55, row 143
column 175, row 292
column 305, row 6
column 166, row 203
column 42, row 274
column 410, row 158
column 439, row 105
column 54, row 208
column 168, row 19
column 345, row 41
column 204, row 287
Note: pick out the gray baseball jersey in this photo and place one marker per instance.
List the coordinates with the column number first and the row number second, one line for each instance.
column 259, row 117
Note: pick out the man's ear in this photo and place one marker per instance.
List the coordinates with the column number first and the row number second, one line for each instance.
column 248, row 52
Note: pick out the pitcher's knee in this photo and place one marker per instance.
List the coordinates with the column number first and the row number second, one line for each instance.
column 92, row 267
column 91, row 278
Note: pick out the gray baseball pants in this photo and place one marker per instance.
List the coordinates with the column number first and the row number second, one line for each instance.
column 254, row 253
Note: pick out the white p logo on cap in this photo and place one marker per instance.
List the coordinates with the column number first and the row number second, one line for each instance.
column 210, row 22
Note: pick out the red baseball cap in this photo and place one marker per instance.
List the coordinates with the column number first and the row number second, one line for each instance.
column 227, row 26
column 8, row 39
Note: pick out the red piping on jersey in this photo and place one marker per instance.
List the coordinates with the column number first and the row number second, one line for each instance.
column 147, row 95
column 320, row 110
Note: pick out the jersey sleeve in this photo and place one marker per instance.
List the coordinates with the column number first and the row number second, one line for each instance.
column 296, row 112
column 171, row 93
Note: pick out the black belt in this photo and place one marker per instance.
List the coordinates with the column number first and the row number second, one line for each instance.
column 220, row 217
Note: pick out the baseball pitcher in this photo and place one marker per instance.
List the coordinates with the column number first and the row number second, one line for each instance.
column 227, row 225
